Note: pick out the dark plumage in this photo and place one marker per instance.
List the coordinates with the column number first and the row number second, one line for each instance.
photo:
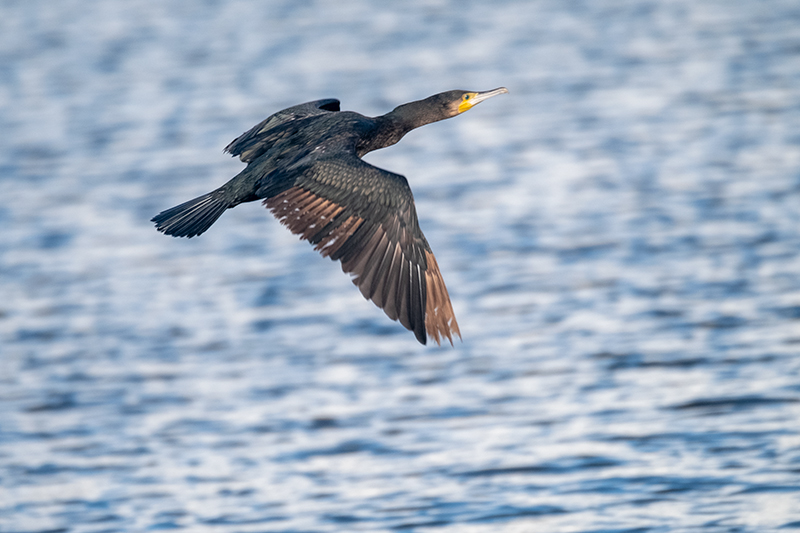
column 305, row 164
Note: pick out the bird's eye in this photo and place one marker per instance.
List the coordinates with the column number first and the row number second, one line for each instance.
column 466, row 97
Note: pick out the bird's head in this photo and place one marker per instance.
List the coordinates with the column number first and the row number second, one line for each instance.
column 452, row 103
column 466, row 100
column 443, row 105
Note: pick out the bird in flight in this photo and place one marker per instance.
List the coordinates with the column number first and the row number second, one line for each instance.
column 305, row 164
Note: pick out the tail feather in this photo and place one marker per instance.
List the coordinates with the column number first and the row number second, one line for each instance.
column 193, row 217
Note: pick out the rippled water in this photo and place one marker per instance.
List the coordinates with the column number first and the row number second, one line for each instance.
column 620, row 236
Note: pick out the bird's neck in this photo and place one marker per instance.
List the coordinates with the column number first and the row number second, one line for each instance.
column 392, row 126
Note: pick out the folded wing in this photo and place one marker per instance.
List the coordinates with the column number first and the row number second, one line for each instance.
column 257, row 140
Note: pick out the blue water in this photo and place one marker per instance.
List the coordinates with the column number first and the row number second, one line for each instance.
column 620, row 236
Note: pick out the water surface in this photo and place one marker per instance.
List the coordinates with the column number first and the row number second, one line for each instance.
column 619, row 235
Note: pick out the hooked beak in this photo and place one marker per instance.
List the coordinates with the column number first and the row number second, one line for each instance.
column 480, row 97
column 477, row 98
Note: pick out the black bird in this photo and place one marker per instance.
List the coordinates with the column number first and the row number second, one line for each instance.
column 305, row 164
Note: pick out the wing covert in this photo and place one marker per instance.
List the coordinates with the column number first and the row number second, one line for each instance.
column 255, row 141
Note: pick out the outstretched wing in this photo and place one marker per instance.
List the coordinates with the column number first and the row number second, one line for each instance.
column 364, row 217
column 257, row 140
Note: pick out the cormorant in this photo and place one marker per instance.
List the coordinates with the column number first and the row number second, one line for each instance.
column 305, row 164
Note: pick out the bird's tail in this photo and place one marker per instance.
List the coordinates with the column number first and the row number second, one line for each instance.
column 193, row 217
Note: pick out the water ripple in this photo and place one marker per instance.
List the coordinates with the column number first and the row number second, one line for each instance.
column 619, row 237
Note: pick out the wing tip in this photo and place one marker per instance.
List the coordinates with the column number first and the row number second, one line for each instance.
column 440, row 319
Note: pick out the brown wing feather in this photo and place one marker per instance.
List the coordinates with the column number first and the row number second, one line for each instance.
column 382, row 267
column 330, row 243
column 440, row 320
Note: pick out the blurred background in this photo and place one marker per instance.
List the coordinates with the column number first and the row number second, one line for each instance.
column 620, row 236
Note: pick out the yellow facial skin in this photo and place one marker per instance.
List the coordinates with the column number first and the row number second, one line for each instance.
column 466, row 102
